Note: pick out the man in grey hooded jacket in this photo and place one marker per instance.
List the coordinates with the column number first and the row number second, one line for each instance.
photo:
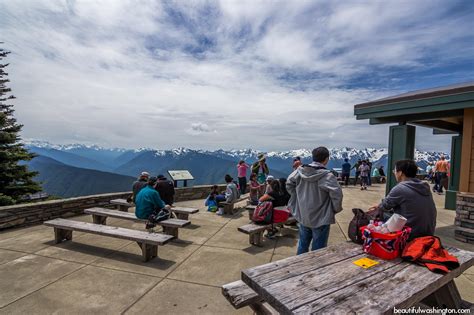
column 315, row 199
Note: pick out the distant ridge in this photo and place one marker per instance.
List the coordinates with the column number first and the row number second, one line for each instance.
column 208, row 167
column 63, row 180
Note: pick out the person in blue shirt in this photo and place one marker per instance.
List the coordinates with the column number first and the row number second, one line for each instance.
column 148, row 200
column 346, row 171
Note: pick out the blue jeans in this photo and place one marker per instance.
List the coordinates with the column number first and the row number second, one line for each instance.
column 319, row 237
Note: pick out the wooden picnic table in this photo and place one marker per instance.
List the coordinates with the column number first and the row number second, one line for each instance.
column 327, row 281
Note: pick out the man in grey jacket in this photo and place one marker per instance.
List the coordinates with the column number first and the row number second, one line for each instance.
column 412, row 199
column 315, row 199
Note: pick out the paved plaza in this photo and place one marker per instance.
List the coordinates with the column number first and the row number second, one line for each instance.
column 97, row 274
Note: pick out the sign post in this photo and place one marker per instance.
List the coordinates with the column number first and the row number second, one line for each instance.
column 178, row 175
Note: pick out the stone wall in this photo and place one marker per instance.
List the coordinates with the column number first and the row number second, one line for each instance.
column 36, row 213
column 464, row 221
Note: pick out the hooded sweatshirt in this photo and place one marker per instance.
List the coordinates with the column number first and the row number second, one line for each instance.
column 315, row 195
column 413, row 200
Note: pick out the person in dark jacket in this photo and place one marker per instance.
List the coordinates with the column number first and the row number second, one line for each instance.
column 141, row 182
column 148, row 200
column 346, row 171
column 412, row 199
column 166, row 189
column 357, row 172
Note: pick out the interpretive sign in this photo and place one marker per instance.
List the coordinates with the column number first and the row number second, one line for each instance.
column 178, row 175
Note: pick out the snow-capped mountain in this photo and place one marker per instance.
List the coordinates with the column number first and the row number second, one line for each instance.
column 206, row 166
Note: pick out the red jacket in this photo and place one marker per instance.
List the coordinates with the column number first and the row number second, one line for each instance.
column 428, row 251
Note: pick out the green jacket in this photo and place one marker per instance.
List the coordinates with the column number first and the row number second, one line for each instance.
column 147, row 200
column 256, row 168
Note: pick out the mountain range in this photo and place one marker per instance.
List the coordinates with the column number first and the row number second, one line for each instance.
column 76, row 170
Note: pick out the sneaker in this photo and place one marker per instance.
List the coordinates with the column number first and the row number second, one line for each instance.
column 270, row 235
column 149, row 225
column 220, row 211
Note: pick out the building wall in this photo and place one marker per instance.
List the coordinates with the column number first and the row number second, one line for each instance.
column 36, row 213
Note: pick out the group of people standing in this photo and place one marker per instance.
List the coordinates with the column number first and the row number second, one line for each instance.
column 364, row 171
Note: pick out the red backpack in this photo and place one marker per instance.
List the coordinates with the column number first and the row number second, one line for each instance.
column 263, row 213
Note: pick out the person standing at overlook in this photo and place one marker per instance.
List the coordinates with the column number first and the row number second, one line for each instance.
column 441, row 173
column 346, row 171
column 242, row 168
column 316, row 197
column 260, row 168
column 296, row 162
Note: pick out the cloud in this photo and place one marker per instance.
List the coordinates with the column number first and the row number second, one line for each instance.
column 199, row 128
column 276, row 75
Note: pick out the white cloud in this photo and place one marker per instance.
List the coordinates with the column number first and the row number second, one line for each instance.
column 270, row 75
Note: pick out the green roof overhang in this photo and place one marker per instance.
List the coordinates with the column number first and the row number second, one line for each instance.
column 440, row 108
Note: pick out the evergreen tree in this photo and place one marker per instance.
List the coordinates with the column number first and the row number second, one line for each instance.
column 15, row 179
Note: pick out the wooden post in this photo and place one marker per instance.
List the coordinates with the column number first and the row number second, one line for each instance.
column 182, row 216
column 171, row 231
column 122, row 208
column 256, row 238
column 401, row 145
column 61, row 235
column 99, row 219
column 466, row 152
column 148, row 251
column 455, row 171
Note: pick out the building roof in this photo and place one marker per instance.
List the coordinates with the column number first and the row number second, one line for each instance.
column 440, row 108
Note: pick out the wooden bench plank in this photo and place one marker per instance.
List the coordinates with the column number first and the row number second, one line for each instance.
column 122, row 204
column 130, row 216
column 240, row 295
column 287, row 268
column 255, row 231
column 170, row 226
column 117, row 232
column 183, row 212
column 148, row 242
column 402, row 287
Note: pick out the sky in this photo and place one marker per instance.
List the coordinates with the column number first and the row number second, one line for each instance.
column 269, row 75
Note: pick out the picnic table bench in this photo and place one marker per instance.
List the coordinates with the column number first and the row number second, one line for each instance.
column 170, row 226
column 148, row 242
column 240, row 295
column 122, row 204
column 181, row 212
column 328, row 281
column 255, row 231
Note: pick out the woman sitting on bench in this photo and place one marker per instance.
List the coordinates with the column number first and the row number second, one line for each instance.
column 230, row 195
column 278, row 199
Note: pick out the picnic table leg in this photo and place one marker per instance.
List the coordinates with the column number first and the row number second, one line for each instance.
column 445, row 297
column 171, row 231
column 182, row 216
column 61, row 235
column 99, row 219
